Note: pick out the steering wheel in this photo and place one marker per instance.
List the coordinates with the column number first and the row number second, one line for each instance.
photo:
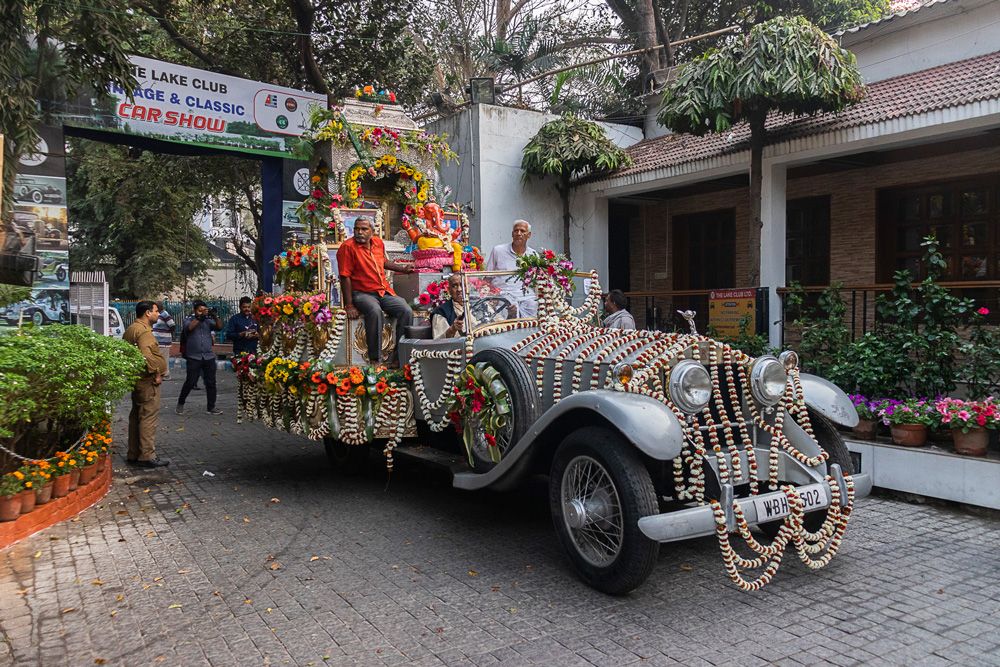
column 486, row 309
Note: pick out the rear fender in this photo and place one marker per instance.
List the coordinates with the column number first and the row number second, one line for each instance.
column 829, row 400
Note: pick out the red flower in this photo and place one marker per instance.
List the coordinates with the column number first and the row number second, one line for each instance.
column 392, row 97
column 552, row 270
column 407, row 372
column 434, row 289
column 317, row 377
column 983, row 311
column 424, row 299
column 317, row 194
column 490, row 440
column 322, row 388
column 311, row 206
column 549, row 254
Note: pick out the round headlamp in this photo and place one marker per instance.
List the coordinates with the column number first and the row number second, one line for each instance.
column 623, row 373
column 690, row 386
column 767, row 380
column 789, row 359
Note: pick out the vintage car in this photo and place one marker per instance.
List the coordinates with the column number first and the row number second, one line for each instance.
column 46, row 306
column 647, row 437
column 37, row 191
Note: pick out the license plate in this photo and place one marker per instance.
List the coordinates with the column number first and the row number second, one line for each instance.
column 776, row 506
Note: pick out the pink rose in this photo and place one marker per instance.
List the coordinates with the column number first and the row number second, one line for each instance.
column 983, row 311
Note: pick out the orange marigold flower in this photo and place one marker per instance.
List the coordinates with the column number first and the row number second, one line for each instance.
column 360, row 391
column 331, row 378
column 317, row 377
column 322, row 388
column 381, row 386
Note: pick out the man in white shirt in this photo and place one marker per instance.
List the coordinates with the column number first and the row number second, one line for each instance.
column 504, row 258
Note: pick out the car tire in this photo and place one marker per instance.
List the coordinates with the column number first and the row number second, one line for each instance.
column 61, row 274
column 346, row 459
column 523, row 403
column 38, row 318
column 832, row 443
column 598, row 491
column 36, row 197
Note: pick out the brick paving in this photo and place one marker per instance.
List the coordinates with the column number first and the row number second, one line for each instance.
column 278, row 560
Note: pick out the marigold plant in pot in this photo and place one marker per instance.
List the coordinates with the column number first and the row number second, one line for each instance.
column 10, row 496
column 88, row 466
column 908, row 420
column 970, row 423
column 39, row 475
column 868, row 416
column 61, row 477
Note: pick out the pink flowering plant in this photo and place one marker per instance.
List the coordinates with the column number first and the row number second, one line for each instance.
column 481, row 402
column 909, row 411
column 547, row 266
column 435, row 294
column 968, row 415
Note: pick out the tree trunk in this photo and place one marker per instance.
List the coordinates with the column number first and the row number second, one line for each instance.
column 757, row 138
column 564, row 194
column 646, row 34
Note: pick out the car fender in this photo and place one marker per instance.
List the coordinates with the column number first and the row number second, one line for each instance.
column 829, row 400
column 646, row 423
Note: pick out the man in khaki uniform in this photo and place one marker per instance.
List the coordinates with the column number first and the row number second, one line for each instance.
column 146, row 395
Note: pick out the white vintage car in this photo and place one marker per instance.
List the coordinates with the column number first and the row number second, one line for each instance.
column 646, row 437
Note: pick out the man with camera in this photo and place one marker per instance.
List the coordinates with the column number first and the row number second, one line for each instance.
column 199, row 354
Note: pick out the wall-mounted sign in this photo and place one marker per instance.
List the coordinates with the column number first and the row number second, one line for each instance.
column 727, row 308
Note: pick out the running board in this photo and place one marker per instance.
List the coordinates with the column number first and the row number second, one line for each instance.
column 456, row 463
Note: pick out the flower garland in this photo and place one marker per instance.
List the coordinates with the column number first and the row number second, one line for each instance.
column 545, row 268
column 329, row 125
column 318, row 208
column 412, row 185
column 480, row 400
column 368, row 93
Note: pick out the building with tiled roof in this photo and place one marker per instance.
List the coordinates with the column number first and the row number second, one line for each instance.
column 847, row 197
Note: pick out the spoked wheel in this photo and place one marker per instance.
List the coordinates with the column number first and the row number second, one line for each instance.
column 598, row 491
column 833, row 444
column 347, row 459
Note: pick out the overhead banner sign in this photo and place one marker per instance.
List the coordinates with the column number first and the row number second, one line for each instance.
column 193, row 106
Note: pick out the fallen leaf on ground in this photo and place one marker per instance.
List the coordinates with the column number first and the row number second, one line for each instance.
column 275, row 565
column 473, row 573
column 145, row 490
column 686, row 568
column 114, row 613
column 248, row 601
column 119, row 597
column 174, row 606
column 157, row 578
column 97, row 582
column 122, row 512
column 38, row 554
column 151, row 533
column 275, row 500
column 183, row 571
column 217, row 593
column 100, row 661
column 495, row 589
column 246, row 519
column 310, row 560
column 67, row 610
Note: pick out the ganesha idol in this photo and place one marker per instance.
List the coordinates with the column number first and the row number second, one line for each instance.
column 437, row 243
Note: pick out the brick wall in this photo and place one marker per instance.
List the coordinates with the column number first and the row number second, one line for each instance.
column 853, row 196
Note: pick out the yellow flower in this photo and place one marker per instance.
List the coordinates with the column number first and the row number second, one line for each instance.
column 27, row 484
column 422, row 196
column 307, row 308
column 417, row 176
column 288, row 309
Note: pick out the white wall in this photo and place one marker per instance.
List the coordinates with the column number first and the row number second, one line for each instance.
column 489, row 140
column 934, row 35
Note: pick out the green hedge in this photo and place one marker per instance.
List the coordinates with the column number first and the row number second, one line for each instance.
column 56, row 381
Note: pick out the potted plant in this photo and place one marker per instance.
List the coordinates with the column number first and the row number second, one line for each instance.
column 88, row 465
column 970, row 423
column 10, row 496
column 40, row 475
column 61, row 474
column 868, row 416
column 908, row 420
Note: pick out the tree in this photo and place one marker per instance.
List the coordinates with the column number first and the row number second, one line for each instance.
column 785, row 65
column 568, row 147
column 135, row 213
column 93, row 39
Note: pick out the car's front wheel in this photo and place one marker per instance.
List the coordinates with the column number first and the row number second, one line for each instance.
column 38, row 318
column 598, row 491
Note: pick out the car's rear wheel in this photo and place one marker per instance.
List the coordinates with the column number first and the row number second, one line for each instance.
column 832, row 443
column 520, row 386
column 36, row 197
column 598, row 491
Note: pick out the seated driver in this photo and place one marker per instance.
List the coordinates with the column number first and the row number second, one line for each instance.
column 447, row 319
column 362, row 263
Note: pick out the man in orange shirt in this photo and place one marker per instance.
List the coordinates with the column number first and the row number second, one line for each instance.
column 362, row 263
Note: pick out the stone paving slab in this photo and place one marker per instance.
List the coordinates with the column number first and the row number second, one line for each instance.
column 278, row 560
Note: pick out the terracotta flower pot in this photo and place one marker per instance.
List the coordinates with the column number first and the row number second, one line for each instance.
column 87, row 474
column 866, row 429
column 60, row 486
column 10, row 507
column 43, row 494
column 74, row 479
column 28, row 500
column 909, row 435
column 972, row 443
column 101, row 462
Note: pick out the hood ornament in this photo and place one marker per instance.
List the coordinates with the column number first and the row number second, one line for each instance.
column 689, row 316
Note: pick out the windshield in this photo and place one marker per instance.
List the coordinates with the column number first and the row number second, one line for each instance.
column 498, row 296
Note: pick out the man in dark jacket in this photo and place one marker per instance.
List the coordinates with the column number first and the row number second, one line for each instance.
column 243, row 330
column 199, row 355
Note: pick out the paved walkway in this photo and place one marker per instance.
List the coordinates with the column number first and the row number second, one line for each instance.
column 273, row 559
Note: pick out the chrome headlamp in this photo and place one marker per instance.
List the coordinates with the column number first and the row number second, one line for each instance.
column 767, row 380
column 623, row 373
column 789, row 359
column 690, row 386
